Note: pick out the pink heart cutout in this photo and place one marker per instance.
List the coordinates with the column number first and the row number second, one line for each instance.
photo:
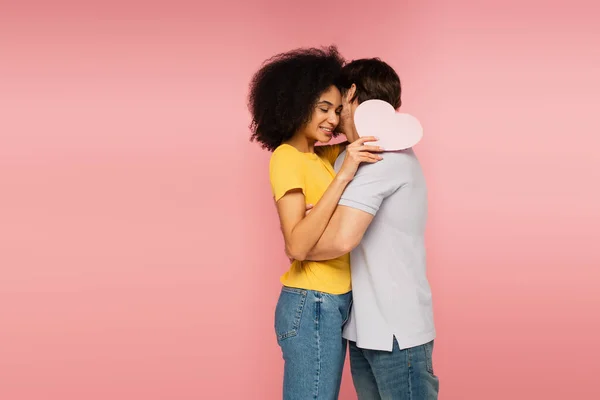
column 396, row 131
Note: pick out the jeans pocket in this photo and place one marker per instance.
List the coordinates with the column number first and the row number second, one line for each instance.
column 428, row 347
column 288, row 312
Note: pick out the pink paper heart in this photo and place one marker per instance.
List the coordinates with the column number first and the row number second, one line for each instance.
column 396, row 131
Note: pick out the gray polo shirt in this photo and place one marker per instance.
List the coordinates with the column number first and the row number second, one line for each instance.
column 389, row 282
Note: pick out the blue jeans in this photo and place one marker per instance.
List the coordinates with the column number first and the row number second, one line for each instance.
column 309, row 331
column 397, row 375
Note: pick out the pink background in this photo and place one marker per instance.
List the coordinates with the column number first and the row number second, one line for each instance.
column 139, row 246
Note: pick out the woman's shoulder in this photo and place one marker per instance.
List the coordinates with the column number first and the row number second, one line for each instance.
column 285, row 149
column 285, row 154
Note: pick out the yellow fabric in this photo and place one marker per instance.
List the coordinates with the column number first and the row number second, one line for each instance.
column 312, row 173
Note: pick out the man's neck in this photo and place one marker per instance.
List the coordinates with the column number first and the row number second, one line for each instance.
column 352, row 135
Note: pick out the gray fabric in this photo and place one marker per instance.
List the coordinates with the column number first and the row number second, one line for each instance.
column 389, row 282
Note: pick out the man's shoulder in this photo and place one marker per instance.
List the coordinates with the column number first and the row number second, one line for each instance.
column 393, row 161
column 339, row 160
column 401, row 157
column 393, row 164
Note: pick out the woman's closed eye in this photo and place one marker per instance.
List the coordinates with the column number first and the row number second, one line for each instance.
column 337, row 112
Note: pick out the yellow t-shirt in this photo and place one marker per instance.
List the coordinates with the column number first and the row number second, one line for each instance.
column 291, row 169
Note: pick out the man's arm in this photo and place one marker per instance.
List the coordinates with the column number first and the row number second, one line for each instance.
column 343, row 233
column 358, row 206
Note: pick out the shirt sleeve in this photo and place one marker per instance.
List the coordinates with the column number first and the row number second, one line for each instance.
column 286, row 171
column 373, row 183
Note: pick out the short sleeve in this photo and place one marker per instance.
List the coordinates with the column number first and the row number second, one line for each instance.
column 286, row 171
column 373, row 183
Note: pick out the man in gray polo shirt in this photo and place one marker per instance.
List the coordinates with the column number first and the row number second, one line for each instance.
column 381, row 220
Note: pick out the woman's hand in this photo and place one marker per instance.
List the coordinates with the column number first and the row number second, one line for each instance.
column 357, row 153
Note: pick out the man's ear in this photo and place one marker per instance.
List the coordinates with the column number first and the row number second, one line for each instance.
column 350, row 93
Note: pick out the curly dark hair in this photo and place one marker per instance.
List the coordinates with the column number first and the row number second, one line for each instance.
column 284, row 91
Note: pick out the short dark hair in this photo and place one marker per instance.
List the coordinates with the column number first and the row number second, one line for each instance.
column 283, row 93
column 374, row 79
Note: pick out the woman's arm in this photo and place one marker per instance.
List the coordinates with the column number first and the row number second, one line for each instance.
column 301, row 232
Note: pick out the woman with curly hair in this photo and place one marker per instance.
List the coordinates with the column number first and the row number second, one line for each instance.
column 295, row 103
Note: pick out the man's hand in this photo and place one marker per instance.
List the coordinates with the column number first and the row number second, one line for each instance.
column 308, row 208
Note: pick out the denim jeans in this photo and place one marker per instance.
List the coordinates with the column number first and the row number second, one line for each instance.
column 308, row 325
column 397, row 375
